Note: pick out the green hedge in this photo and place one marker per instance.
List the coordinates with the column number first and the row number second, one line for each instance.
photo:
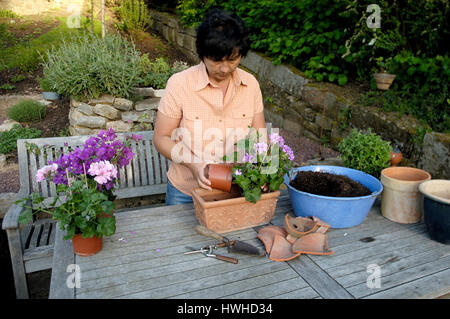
column 330, row 41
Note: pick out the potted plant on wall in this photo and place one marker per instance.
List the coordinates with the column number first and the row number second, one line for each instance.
column 48, row 91
column 85, row 179
column 253, row 180
column 382, row 77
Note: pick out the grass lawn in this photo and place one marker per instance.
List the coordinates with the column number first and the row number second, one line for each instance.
column 25, row 55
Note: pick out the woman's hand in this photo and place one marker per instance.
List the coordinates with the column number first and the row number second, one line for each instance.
column 199, row 170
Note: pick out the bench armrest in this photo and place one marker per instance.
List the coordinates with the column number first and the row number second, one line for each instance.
column 11, row 219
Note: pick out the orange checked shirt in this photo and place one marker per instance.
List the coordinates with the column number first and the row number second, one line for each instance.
column 209, row 117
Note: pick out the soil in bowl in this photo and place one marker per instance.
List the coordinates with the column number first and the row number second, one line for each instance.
column 326, row 184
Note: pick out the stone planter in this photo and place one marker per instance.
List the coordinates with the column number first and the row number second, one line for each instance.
column 226, row 211
column 107, row 111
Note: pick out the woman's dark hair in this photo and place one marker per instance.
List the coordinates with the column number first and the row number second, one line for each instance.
column 220, row 34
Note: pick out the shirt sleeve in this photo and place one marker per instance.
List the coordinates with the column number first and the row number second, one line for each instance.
column 259, row 106
column 170, row 104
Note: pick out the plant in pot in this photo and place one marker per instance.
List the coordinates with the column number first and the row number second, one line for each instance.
column 85, row 179
column 48, row 90
column 365, row 151
column 254, row 179
column 383, row 78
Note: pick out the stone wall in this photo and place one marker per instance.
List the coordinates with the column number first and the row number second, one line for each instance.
column 320, row 111
column 122, row 115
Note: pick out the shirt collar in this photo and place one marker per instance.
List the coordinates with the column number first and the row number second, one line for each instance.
column 203, row 79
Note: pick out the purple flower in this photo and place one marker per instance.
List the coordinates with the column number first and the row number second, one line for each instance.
column 238, row 172
column 261, row 147
column 249, row 158
column 288, row 151
column 276, row 138
column 136, row 137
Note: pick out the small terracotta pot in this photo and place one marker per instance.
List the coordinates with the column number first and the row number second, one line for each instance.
column 86, row 246
column 221, row 176
column 384, row 80
column 396, row 158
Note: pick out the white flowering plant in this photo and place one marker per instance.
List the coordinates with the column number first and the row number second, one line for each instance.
column 260, row 166
column 85, row 179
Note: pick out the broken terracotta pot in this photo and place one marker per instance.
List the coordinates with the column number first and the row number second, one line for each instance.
column 267, row 235
column 298, row 236
column 299, row 226
column 281, row 250
column 323, row 227
column 314, row 244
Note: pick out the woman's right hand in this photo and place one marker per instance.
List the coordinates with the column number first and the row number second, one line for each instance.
column 199, row 171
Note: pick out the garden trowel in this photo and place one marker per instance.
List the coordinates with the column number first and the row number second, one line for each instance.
column 233, row 245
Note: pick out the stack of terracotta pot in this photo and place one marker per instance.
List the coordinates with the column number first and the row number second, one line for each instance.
column 298, row 236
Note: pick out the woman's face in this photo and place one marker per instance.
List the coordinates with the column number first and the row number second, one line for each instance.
column 220, row 71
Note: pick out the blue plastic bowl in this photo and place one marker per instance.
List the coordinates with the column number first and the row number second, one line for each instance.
column 339, row 212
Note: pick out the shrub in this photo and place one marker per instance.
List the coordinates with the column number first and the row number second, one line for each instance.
column 45, row 84
column 8, row 139
column 365, row 151
column 27, row 111
column 134, row 15
column 156, row 73
column 87, row 66
column 330, row 41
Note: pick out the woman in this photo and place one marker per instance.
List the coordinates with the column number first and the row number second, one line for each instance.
column 211, row 99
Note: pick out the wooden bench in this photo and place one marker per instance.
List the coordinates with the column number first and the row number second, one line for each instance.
column 31, row 246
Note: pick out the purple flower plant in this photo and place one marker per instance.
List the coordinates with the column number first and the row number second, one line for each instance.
column 101, row 148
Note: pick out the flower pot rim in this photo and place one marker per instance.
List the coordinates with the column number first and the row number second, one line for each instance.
column 405, row 168
column 424, row 189
column 198, row 192
column 319, row 168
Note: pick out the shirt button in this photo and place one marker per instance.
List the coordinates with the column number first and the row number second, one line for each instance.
column 220, row 121
column 243, row 115
column 196, row 117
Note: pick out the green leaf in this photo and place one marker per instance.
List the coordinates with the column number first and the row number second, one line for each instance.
column 342, row 79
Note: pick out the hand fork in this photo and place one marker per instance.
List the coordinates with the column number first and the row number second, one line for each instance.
column 209, row 253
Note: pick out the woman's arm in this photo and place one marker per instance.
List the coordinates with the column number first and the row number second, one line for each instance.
column 164, row 126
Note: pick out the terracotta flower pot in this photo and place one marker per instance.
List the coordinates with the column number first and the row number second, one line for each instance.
column 86, row 246
column 220, row 176
column 384, row 80
column 401, row 200
column 226, row 211
column 396, row 158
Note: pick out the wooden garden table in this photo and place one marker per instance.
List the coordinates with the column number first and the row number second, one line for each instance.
column 145, row 259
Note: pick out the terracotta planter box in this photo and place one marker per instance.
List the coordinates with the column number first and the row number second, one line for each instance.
column 225, row 212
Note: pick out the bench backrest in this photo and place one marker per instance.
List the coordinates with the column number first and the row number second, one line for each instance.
column 145, row 175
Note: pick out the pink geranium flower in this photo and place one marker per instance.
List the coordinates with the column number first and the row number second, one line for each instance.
column 45, row 171
column 103, row 171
